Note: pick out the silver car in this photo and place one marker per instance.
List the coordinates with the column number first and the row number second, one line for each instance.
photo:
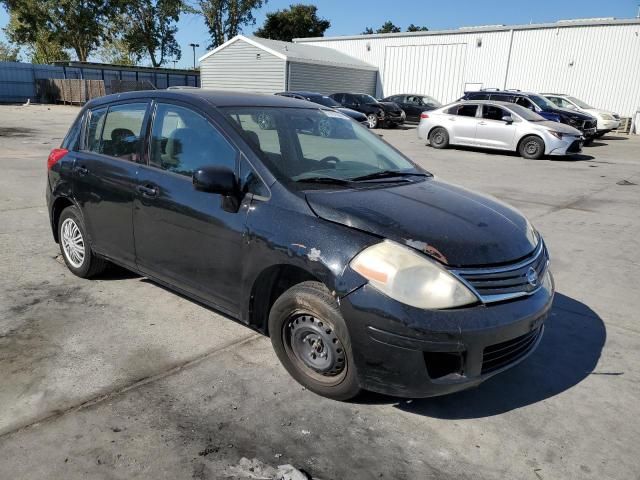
column 498, row 125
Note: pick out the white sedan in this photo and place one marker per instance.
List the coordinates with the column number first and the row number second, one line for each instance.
column 607, row 121
column 498, row 125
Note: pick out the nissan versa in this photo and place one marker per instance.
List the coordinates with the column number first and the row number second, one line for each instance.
column 365, row 270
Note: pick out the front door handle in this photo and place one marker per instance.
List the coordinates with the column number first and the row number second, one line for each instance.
column 452, row 119
column 148, row 190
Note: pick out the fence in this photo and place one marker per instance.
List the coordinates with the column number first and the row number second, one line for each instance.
column 18, row 80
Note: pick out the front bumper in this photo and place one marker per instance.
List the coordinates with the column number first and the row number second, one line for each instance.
column 409, row 352
column 566, row 146
column 608, row 125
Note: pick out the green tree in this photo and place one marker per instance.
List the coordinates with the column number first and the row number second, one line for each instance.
column 297, row 21
column 117, row 51
column 42, row 48
column 415, row 28
column 9, row 53
column 149, row 29
column 80, row 25
column 387, row 27
column 225, row 18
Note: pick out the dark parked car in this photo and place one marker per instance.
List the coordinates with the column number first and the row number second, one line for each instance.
column 384, row 114
column 365, row 271
column 327, row 101
column 414, row 104
column 539, row 104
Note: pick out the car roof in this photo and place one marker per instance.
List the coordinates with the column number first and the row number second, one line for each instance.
column 306, row 94
column 503, row 92
column 487, row 102
column 556, row 94
column 217, row 98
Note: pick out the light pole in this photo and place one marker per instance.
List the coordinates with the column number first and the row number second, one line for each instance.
column 174, row 63
column 194, row 45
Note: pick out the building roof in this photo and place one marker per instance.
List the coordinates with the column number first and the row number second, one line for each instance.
column 295, row 52
column 579, row 22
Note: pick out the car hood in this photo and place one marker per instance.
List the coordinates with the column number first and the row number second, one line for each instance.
column 352, row 113
column 598, row 111
column 575, row 113
column 455, row 226
column 559, row 127
column 389, row 106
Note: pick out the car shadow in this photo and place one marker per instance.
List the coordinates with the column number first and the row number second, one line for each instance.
column 576, row 157
column 613, row 137
column 568, row 353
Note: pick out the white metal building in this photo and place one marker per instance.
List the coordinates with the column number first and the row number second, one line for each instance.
column 268, row 66
column 596, row 60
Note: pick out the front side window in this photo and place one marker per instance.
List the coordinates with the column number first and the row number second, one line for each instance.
column 491, row 112
column 183, row 141
column 122, row 131
column 303, row 144
column 579, row 103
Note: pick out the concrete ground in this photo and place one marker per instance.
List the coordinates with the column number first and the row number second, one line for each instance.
column 120, row 378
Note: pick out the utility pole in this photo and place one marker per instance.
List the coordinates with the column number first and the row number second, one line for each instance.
column 194, row 45
column 174, row 63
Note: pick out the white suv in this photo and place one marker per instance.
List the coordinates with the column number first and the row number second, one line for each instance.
column 607, row 121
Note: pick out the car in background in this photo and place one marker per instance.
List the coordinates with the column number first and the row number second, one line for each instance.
column 498, row 125
column 384, row 114
column 327, row 101
column 414, row 104
column 539, row 104
column 607, row 121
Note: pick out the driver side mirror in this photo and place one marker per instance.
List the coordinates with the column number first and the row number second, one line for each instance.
column 508, row 119
column 221, row 180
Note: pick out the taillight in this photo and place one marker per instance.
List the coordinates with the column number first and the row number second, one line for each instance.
column 424, row 115
column 55, row 155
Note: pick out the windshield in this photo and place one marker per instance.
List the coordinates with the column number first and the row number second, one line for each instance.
column 324, row 100
column 431, row 102
column 362, row 98
column 527, row 114
column 299, row 144
column 542, row 102
column 579, row 103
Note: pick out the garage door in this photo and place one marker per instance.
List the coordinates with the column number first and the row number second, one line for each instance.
column 435, row 70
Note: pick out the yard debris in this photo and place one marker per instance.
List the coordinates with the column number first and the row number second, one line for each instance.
column 625, row 182
column 258, row 470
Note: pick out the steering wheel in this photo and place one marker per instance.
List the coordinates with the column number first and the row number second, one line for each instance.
column 326, row 161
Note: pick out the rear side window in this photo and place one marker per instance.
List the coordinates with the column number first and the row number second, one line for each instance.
column 94, row 129
column 464, row 110
column 123, row 130
column 72, row 140
column 183, row 141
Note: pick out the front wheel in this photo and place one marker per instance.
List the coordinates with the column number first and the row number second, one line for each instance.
column 531, row 147
column 372, row 120
column 75, row 246
column 439, row 138
column 311, row 340
column 588, row 141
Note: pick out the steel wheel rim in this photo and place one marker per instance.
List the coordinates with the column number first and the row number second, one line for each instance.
column 372, row 119
column 314, row 349
column 72, row 243
column 531, row 148
column 438, row 138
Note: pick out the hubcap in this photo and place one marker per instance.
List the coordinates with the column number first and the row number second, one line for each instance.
column 373, row 120
column 72, row 243
column 438, row 138
column 315, row 345
column 531, row 148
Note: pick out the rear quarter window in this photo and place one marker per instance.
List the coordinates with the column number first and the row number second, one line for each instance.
column 72, row 141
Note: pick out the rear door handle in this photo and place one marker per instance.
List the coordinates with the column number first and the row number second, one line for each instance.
column 148, row 190
column 83, row 171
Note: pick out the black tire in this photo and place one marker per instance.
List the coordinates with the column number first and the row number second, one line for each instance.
column 439, row 137
column 531, row 147
column 91, row 264
column 294, row 322
column 588, row 141
column 372, row 120
column 600, row 134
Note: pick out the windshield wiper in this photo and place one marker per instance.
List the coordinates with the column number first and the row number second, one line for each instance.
column 387, row 174
column 326, row 180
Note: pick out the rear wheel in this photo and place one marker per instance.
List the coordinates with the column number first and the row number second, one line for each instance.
column 531, row 147
column 75, row 246
column 311, row 340
column 439, row 138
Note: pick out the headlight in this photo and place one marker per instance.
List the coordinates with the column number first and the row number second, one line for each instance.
column 410, row 278
column 574, row 120
column 606, row 116
column 557, row 134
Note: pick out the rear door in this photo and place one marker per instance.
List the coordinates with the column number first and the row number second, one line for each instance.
column 494, row 132
column 413, row 107
column 462, row 123
column 185, row 237
column 105, row 176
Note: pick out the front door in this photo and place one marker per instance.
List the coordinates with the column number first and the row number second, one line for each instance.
column 185, row 237
column 105, row 177
column 492, row 131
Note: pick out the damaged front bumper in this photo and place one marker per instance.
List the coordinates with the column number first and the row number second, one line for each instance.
column 409, row 352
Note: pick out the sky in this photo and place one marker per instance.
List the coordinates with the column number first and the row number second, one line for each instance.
column 350, row 17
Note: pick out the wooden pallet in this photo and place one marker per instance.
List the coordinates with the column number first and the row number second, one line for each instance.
column 625, row 125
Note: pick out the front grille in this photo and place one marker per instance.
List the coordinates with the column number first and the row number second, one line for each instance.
column 502, row 354
column 511, row 281
column 574, row 147
column 589, row 124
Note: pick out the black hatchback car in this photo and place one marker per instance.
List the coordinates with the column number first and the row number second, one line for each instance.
column 365, row 271
column 542, row 106
column 379, row 114
column 414, row 104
